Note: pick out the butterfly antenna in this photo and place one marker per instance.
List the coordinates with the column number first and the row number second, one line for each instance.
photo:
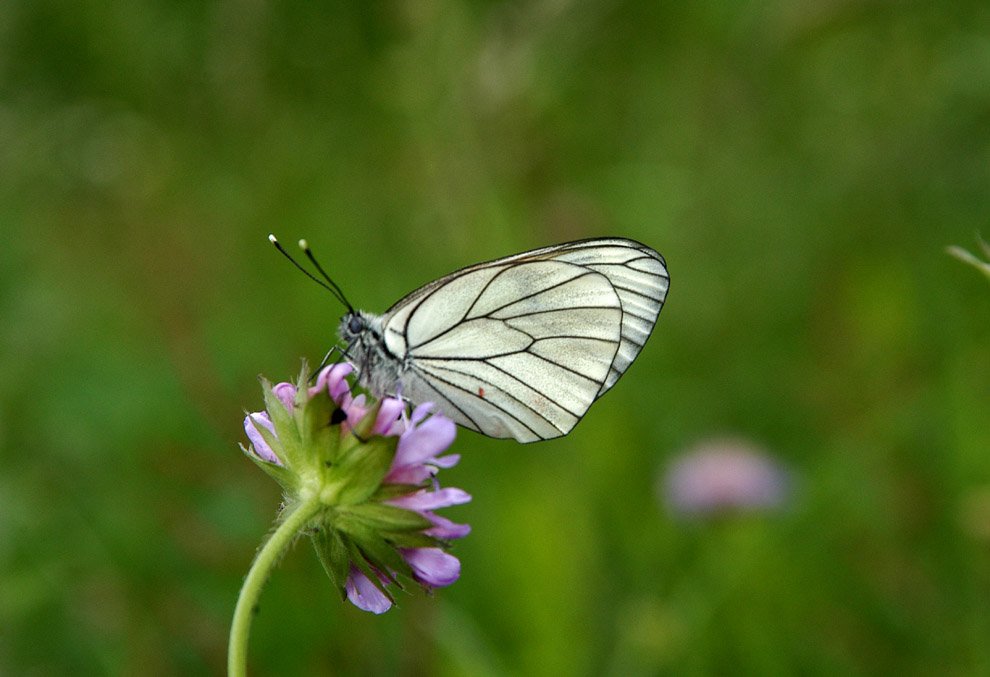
column 335, row 290
column 309, row 254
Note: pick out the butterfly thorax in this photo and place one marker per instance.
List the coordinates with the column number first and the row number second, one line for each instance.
column 377, row 368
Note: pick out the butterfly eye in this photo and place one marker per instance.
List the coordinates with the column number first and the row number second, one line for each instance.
column 355, row 325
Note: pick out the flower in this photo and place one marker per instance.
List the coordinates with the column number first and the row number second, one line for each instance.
column 368, row 474
column 724, row 475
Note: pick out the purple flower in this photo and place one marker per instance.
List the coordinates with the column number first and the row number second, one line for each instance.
column 722, row 476
column 376, row 479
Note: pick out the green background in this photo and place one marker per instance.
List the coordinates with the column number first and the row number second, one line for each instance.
column 801, row 165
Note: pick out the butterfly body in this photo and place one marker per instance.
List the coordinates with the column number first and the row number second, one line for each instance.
column 520, row 346
column 379, row 370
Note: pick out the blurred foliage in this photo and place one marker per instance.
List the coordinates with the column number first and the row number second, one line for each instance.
column 801, row 165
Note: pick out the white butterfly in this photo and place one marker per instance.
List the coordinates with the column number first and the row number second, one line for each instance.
column 516, row 347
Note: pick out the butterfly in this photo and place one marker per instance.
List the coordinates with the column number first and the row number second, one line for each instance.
column 518, row 347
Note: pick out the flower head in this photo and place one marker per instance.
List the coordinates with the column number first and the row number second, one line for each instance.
column 368, row 474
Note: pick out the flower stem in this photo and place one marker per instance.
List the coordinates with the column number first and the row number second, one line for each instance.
column 251, row 589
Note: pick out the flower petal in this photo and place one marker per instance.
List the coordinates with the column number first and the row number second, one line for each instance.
column 261, row 448
column 355, row 409
column 420, row 412
column 448, row 461
column 286, row 393
column 388, row 416
column 425, row 441
column 445, row 529
column 364, row 595
column 335, row 380
column 431, row 500
column 432, row 566
column 320, row 384
column 410, row 474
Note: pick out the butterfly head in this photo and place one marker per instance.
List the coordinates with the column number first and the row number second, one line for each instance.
column 377, row 368
column 361, row 332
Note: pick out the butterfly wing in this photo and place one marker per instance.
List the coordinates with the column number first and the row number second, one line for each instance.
column 522, row 346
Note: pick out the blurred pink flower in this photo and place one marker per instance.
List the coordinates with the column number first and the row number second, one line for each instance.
column 724, row 475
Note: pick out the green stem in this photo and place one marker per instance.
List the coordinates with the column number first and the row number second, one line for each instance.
column 251, row 590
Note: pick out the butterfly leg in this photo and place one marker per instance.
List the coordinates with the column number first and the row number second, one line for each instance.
column 326, row 360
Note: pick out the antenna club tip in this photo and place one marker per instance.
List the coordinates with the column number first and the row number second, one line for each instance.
column 271, row 238
column 303, row 245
